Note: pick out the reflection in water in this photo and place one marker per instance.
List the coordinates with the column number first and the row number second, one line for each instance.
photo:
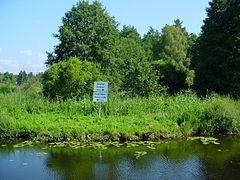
column 160, row 168
column 24, row 164
column 101, row 171
column 175, row 160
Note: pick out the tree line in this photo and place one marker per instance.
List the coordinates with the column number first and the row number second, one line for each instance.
column 92, row 48
column 9, row 82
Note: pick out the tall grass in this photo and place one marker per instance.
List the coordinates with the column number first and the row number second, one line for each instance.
column 123, row 118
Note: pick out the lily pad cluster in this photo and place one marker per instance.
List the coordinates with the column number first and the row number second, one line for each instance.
column 206, row 140
column 93, row 145
column 23, row 144
column 138, row 154
column 102, row 145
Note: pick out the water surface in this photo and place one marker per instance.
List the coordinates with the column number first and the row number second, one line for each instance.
column 181, row 159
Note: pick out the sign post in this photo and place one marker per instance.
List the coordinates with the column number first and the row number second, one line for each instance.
column 100, row 94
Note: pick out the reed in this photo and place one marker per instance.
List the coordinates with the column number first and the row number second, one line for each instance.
column 32, row 116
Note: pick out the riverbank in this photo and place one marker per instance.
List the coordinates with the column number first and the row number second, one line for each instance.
column 29, row 116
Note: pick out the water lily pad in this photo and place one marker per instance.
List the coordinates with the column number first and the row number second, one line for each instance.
column 194, row 138
column 131, row 144
column 206, row 140
column 151, row 147
column 23, row 144
column 41, row 154
column 138, row 154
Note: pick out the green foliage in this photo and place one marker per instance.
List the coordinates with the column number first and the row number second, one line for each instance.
column 220, row 115
column 30, row 87
column 152, row 44
column 29, row 83
column 7, row 78
column 71, row 78
column 123, row 118
column 217, row 53
column 174, row 68
column 21, row 77
column 7, row 88
column 130, row 32
column 135, row 72
column 170, row 76
column 6, row 126
column 175, row 45
column 88, row 33
column 7, row 82
column 141, row 80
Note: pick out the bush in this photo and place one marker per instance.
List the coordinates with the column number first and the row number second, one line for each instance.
column 170, row 76
column 7, row 88
column 29, row 87
column 141, row 80
column 220, row 116
column 71, row 78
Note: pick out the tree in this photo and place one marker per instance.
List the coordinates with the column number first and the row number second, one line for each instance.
column 7, row 78
column 21, row 77
column 7, row 82
column 88, row 33
column 218, row 59
column 130, row 32
column 174, row 60
column 169, row 76
column 135, row 71
column 70, row 78
column 174, row 46
column 152, row 44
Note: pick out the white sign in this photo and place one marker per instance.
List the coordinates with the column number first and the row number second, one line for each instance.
column 100, row 87
column 100, row 92
column 99, row 97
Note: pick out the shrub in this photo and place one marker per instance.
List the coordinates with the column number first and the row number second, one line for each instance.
column 170, row 76
column 29, row 87
column 71, row 78
column 220, row 116
column 7, row 88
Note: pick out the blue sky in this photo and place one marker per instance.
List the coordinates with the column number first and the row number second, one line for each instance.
column 27, row 26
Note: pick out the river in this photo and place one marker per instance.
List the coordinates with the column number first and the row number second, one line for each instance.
column 175, row 159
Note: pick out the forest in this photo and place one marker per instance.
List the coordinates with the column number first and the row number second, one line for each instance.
column 166, row 83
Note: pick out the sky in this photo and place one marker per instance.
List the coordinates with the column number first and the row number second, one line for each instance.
column 27, row 26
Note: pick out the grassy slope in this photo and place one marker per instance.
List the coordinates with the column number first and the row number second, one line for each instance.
column 31, row 116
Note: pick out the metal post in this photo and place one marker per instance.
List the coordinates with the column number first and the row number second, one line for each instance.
column 99, row 111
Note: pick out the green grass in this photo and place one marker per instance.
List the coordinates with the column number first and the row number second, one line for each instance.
column 24, row 115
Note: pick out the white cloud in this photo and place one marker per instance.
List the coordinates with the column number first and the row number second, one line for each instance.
column 33, row 63
column 27, row 52
column 8, row 65
column 30, row 53
column 1, row 50
column 5, row 61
